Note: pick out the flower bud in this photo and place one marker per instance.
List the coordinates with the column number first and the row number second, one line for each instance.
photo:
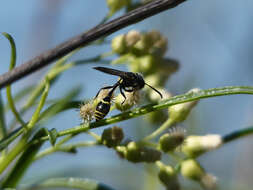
column 121, row 151
column 132, row 98
column 112, row 137
column 168, row 66
column 156, row 79
column 116, row 5
column 87, row 111
column 157, row 43
column 154, row 97
column 170, row 141
column 119, row 44
column 178, row 113
column 191, row 169
column 136, row 153
column 168, row 176
column 147, row 64
column 156, row 117
column 142, row 46
column 160, row 47
column 196, row 145
column 132, row 37
column 209, row 182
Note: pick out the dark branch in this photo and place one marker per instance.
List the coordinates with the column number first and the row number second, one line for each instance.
column 83, row 39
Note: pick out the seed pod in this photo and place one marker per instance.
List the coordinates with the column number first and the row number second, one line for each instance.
column 170, row 141
column 136, row 154
column 112, row 137
column 168, row 176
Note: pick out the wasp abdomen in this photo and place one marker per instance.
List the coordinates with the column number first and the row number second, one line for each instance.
column 102, row 109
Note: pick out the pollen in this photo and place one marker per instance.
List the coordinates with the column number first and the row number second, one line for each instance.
column 87, row 111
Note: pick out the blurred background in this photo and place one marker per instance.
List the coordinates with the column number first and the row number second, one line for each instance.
column 212, row 41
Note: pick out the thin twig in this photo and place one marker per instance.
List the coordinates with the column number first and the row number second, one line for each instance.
column 83, row 39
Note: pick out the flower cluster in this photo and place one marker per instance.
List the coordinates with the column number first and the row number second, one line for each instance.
column 144, row 52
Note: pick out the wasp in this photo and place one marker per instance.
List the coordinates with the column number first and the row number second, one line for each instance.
column 103, row 107
column 128, row 81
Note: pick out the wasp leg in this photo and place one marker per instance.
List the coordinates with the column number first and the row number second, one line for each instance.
column 122, row 93
column 107, row 87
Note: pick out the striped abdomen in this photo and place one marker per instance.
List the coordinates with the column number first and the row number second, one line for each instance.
column 102, row 108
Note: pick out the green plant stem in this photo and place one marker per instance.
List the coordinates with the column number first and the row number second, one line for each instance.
column 223, row 91
column 237, row 134
column 64, row 148
column 23, row 162
column 168, row 123
column 22, row 144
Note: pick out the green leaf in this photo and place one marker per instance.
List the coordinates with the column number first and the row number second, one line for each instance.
column 42, row 101
column 52, row 110
column 20, row 95
column 24, row 161
column 76, row 183
column 8, row 88
column 13, row 50
column 2, row 119
column 52, row 136
column 10, row 137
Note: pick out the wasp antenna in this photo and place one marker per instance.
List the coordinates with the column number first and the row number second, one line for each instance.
column 155, row 90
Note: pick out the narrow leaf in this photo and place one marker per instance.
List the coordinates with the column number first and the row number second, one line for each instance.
column 20, row 95
column 76, row 183
column 8, row 88
column 24, row 161
column 36, row 114
column 10, row 137
column 2, row 119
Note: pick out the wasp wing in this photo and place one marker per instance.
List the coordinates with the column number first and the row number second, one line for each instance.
column 111, row 71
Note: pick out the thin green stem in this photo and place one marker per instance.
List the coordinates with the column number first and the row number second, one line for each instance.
column 65, row 148
column 223, row 91
column 94, row 135
column 21, row 146
column 168, row 123
column 237, row 134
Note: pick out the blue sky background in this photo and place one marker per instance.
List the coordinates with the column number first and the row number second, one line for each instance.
column 212, row 40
